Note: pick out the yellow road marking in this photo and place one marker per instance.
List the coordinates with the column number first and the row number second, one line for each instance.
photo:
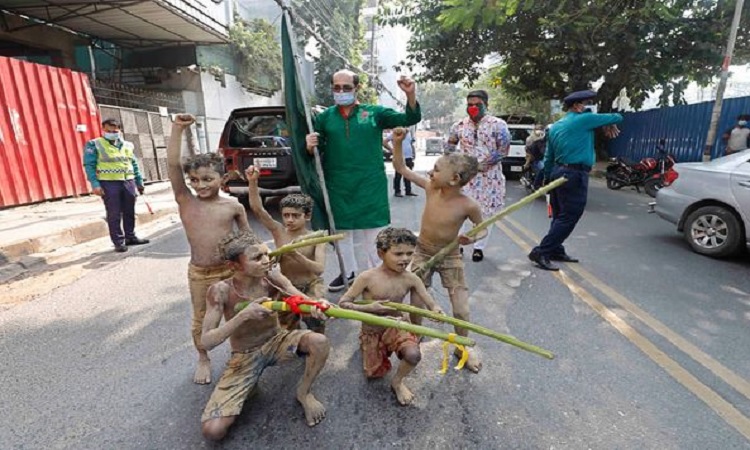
column 735, row 381
column 723, row 408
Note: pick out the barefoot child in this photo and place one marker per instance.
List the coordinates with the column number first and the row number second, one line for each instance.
column 254, row 334
column 207, row 218
column 389, row 282
column 446, row 209
column 303, row 267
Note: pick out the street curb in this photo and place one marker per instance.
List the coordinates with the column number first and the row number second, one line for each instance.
column 22, row 255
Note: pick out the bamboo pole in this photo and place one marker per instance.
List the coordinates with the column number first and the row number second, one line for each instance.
column 304, row 243
column 466, row 325
column 371, row 319
column 438, row 257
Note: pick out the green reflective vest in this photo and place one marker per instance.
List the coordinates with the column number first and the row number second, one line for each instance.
column 112, row 163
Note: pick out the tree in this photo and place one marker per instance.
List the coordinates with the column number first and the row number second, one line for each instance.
column 438, row 102
column 255, row 42
column 547, row 48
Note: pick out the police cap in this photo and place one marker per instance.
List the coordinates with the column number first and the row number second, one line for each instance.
column 579, row 96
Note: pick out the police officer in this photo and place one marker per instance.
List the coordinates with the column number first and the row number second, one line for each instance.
column 112, row 170
column 570, row 154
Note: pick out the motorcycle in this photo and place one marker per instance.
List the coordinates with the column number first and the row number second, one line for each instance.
column 647, row 172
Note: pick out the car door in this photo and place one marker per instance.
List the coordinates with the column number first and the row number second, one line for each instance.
column 740, row 183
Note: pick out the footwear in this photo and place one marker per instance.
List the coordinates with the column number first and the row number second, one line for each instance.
column 338, row 283
column 542, row 262
column 563, row 258
column 136, row 241
column 398, row 194
column 411, row 194
column 477, row 255
column 122, row 248
column 461, row 250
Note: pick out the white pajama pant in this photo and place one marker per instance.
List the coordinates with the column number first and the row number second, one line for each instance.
column 366, row 242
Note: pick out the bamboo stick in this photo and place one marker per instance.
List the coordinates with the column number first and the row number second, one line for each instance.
column 438, row 257
column 371, row 319
column 304, row 243
column 467, row 325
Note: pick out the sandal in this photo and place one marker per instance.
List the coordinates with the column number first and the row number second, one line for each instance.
column 477, row 255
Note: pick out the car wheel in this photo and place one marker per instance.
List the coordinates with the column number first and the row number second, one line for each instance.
column 713, row 231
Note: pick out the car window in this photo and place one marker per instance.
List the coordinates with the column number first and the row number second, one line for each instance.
column 259, row 131
column 518, row 136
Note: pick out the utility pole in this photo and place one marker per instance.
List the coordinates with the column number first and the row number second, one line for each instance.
column 716, row 115
column 373, row 60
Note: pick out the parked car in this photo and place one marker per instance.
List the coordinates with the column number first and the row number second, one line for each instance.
column 433, row 146
column 520, row 128
column 258, row 136
column 709, row 203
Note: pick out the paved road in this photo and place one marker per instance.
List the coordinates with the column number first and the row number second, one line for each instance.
column 649, row 337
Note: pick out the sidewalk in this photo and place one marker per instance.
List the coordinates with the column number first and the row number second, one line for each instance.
column 26, row 231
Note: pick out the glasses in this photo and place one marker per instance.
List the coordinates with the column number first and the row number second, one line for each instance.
column 342, row 88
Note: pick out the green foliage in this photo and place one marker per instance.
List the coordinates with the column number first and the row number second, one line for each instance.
column 501, row 102
column 338, row 22
column 256, row 45
column 439, row 103
column 547, row 48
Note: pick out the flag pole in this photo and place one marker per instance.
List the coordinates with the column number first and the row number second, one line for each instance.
column 316, row 154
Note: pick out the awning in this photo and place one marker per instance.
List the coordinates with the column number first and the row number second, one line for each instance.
column 132, row 23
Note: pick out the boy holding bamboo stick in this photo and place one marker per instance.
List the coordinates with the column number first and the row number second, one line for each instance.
column 207, row 219
column 446, row 209
column 303, row 267
column 255, row 336
column 389, row 282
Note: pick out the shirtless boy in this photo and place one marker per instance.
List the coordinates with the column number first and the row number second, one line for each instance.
column 207, row 218
column 390, row 282
column 446, row 209
column 303, row 267
column 254, row 334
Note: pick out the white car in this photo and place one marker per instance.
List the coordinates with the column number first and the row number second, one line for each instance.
column 710, row 204
column 520, row 128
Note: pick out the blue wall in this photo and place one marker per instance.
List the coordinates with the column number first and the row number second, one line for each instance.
column 683, row 127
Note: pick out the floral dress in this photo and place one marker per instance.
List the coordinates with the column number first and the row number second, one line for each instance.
column 488, row 141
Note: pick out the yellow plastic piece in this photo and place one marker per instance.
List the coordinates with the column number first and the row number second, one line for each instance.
column 446, row 347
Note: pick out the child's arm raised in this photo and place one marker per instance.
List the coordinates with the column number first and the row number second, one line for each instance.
column 358, row 287
column 252, row 174
column 174, row 165
column 213, row 333
column 399, row 134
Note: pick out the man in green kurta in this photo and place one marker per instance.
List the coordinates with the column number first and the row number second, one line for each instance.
column 349, row 137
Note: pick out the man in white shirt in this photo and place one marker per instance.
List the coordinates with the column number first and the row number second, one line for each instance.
column 738, row 138
column 408, row 148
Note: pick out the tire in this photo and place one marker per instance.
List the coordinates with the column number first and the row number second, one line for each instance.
column 612, row 183
column 652, row 186
column 714, row 231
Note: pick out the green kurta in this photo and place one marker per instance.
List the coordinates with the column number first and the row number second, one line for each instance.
column 353, row 162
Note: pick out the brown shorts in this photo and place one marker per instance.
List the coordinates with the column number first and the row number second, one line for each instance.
column 243, row 372
column 377, row 347
column 199, row 280
column 451, row 270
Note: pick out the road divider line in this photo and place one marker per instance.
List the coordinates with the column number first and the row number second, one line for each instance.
column 723, row 408
column 738, row 383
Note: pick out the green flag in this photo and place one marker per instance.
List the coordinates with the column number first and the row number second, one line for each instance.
column 295, row 116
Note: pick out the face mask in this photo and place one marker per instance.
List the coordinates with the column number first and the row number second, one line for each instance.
column 344, row 98
column 742, row 123
column 111, row 136
column 476, row 112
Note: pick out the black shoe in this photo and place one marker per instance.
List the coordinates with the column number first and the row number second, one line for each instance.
column 398, row 194
column 542, row 262
column 136, row 241
column 338, row 283
column 122, row 248
column 477, row 255
column 563, row 258
column 411, row 194
column 461, row 250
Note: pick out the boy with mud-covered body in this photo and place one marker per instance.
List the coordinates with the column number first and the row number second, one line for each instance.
column 254, row 334
column 446, row 209
column 390, row 282
column 303, row 267
column 207, row 219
